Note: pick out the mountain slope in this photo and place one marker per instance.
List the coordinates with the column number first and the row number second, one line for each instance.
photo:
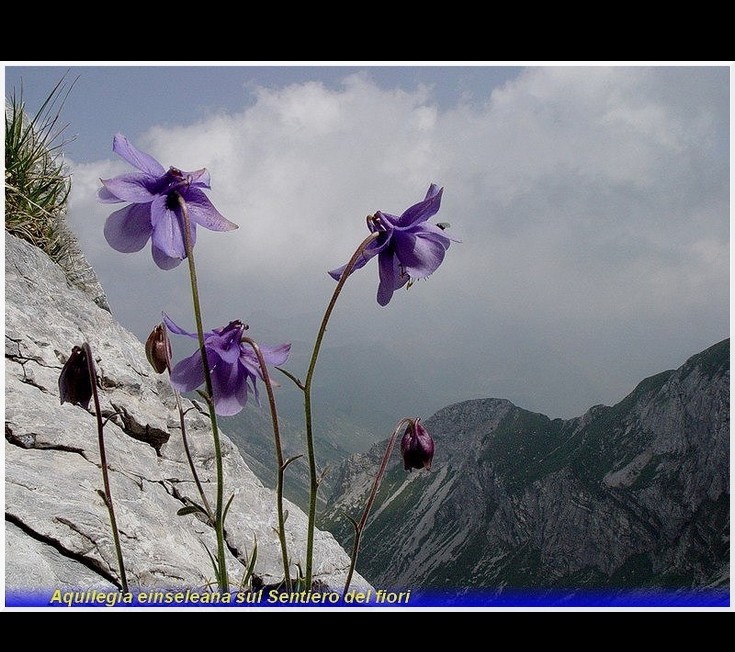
column 633, row 495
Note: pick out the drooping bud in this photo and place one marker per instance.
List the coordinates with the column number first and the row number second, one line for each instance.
column 158, row 349
column 75, row 385
column 417, row 447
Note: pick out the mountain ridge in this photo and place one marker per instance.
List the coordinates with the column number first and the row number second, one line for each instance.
column 625, row 496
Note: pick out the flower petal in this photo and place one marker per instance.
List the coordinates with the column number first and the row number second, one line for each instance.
column 375, row 247
column 255, row 392
column 188, row 374
column 162, row 260
column 203, row 212
column 144, row 162
column 200, row 178
column 273, row 356
column 229, row 386
column 168, row 236
column 424, row 209
column 386, row 220
column 391, row 277
column 420, row 253
column 128, row 229
column 175, row 328
column 106, row 197
column 226, row 341
column 133, row 186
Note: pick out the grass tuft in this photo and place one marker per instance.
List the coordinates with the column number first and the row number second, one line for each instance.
column 37, row 183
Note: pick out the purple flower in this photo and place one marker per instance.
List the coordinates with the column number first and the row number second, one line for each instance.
column 233, row 366
column 407, row 248
column 154, row 212
column 417, row 447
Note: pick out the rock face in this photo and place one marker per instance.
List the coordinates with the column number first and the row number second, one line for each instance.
column 625, row 497
column 57, row 527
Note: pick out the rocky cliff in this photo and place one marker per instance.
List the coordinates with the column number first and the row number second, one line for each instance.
column 57, row 528
column 625, row 497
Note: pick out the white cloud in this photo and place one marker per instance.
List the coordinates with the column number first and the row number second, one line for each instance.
column 592, row 204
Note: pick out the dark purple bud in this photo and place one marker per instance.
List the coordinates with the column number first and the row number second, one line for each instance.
column 158, row 349
column 417, row 447
column 75, row 385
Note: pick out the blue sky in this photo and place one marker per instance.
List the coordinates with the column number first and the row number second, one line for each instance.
column 131, row 99
column 591, row 203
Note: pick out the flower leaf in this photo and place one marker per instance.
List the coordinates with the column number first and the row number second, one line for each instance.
column 227, row 509
column 251, row 566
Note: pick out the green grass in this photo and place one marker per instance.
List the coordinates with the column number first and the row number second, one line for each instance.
column 36, row 183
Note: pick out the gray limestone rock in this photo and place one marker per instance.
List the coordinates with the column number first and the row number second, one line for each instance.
column 57, row 528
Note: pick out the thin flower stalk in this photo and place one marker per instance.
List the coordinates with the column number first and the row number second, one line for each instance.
column 103, row 462
column 158, row 352
column 280, row 463
column 222, row 579
column 417, row 451
column 313, row 477
column 360, row 527
column 184, row 438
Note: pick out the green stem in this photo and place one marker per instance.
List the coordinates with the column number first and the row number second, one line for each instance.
column 359, row 527
column 103, row 462
column 292, row 378
column 280, row 464
column 205, row 502
column 184, row 438
column 313, row 478
column 218, row 520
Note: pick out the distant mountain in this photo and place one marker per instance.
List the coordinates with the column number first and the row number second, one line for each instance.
column 632, row 496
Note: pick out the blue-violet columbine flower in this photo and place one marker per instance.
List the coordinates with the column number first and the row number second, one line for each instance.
column 417, row 447
column 233, row 365
column 407, row 248
column 154, row 212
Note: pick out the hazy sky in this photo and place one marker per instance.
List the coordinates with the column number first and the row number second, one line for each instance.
column 591, row 203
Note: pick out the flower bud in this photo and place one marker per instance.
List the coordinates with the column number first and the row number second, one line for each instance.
column 417, row 447
column 158, row 349
column 75, row 385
